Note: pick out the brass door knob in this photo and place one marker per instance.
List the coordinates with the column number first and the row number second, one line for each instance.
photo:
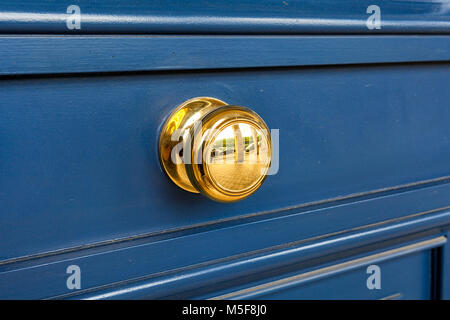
column 221, row 151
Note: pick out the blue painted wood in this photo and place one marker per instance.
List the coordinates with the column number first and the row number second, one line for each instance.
column 186, row 262
column 404, row 271
column 232, row 17
column 203, row 282
column 79, row 162
column 365, row 144
column 444, row 276
column 75, row 54
column 80, row 153
column 401, row 278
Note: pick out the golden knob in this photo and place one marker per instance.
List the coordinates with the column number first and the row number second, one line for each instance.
column 221, row 151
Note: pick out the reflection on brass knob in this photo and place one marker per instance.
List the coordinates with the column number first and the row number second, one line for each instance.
column 219, row 150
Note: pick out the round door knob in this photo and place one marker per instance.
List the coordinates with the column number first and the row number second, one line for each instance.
column 221, row 151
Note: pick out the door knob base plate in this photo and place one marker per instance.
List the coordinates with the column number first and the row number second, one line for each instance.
column 175, row 130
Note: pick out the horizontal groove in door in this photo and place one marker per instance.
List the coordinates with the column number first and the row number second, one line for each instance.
column 334, row 269
column 219, row 17
column 85, row 54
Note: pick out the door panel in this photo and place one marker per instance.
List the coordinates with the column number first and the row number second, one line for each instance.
column 78, row 155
